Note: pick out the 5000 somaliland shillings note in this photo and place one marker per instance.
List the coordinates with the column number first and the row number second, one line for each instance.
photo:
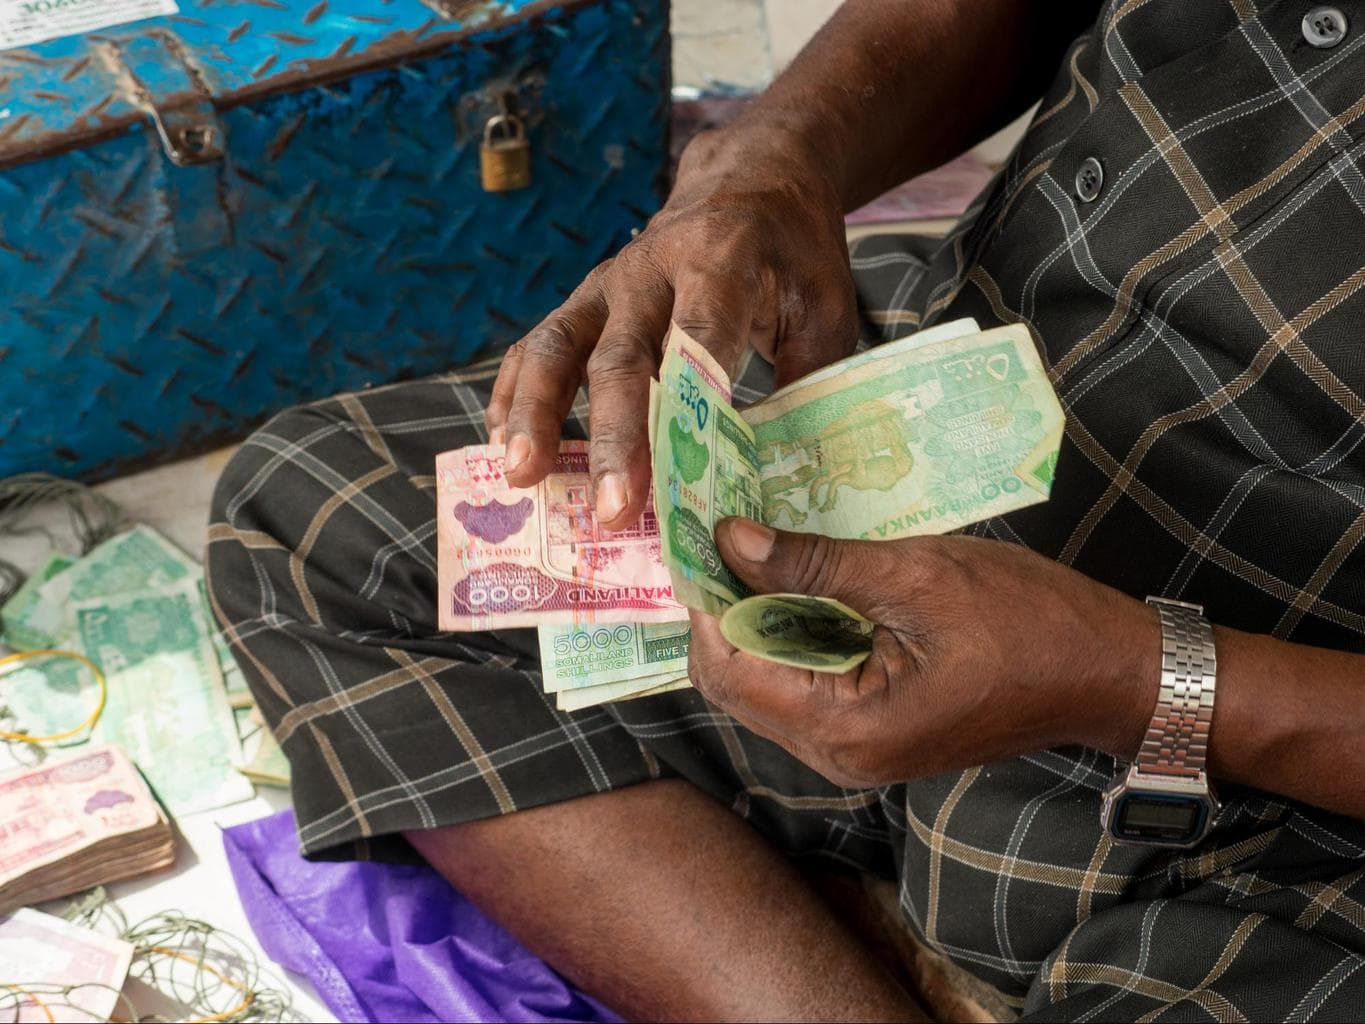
column 531, row 556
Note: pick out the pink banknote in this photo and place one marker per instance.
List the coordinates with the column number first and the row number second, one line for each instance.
column 53, row 811
column 40, row 952
column 511, row 556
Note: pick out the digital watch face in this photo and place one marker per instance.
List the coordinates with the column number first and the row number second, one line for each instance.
column 1155, row 818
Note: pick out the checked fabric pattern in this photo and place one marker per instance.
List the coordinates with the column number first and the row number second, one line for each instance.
column 1202, row 318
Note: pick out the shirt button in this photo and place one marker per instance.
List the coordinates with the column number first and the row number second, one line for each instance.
column 1324, row 27
column 1089, row 179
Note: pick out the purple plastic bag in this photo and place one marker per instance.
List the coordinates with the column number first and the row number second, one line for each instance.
column 390, row 942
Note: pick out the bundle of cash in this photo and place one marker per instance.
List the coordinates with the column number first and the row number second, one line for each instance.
column 75, row 823
column 136, row 606
column 923, row 435
column 53, row 970
column 510, row 556
column 609, row 626
column 593, row 664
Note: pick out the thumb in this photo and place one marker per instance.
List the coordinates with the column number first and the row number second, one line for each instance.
column 776, row 561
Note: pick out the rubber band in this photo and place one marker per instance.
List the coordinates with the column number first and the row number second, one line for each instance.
column 91, row 719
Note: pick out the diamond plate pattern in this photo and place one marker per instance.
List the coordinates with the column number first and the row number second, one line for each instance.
column 345, row 241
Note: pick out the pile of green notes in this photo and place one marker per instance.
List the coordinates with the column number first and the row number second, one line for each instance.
column 137, row 607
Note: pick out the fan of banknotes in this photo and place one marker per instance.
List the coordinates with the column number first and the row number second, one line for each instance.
column 923, row 435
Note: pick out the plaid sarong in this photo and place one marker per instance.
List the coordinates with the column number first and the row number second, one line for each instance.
column 1203, row 321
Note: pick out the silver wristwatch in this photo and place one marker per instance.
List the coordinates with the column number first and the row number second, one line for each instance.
column 1164, row 797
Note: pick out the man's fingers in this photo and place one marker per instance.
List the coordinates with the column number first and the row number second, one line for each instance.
column 862, row 574
column 716, row 311
column 772, row 700
column 619, row 372
column 504, row 387
column 543, row 380
column 820, row 326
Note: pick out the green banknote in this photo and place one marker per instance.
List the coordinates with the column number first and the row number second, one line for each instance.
column 941, row 435
column 140, row 559
column 169, row 712
column 234, row 682
column 705, row 468
column 628, row 689
column 167, row 706
column 50, row 697
column 573, row 657
column 121, row 632
column 268, row 765
column 800, row 630
column 35, row 616
column 965, row 327
column 39, row 615
column 925, row 435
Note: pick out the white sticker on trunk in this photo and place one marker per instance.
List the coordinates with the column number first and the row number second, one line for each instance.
column 25, row 22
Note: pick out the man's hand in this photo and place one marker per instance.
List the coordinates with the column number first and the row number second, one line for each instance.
column 749, row 249
column 982, row 651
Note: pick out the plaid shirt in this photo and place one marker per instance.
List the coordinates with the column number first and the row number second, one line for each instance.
column 1183, row 231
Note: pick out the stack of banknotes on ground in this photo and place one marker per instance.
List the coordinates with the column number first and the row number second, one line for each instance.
column 77, row 822
column 177, row 700
column 923, row 435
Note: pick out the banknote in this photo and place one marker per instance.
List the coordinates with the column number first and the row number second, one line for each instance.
column 946, row 434
column 961, row 328
column 588, row 696
column 532, row 556
column 53, row 810
column 50, row 697
column 33, row 617
column 268, row 765
column 801, row 630
column 139, row 559
column 705, row 467
column 170, row 713
column 166, row 706
column 39, row 615
column 42, row 955
column 234, row 682
column 578, row 656
column 924, row 435
column 119, row 632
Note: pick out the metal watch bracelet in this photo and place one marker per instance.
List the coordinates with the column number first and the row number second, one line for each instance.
column 1177, row 739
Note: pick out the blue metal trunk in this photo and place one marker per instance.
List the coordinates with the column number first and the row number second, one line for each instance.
column 327, row 229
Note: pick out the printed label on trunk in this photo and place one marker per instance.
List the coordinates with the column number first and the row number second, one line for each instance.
column 25, row 22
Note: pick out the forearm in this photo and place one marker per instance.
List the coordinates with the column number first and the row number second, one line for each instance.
column 1290, row 719
column 1287, row 718
column 890, row 88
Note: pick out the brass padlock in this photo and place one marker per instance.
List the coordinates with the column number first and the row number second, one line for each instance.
column 505, row 155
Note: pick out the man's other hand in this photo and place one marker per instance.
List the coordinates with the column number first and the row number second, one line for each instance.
column 749, row 250
column 982, row 651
